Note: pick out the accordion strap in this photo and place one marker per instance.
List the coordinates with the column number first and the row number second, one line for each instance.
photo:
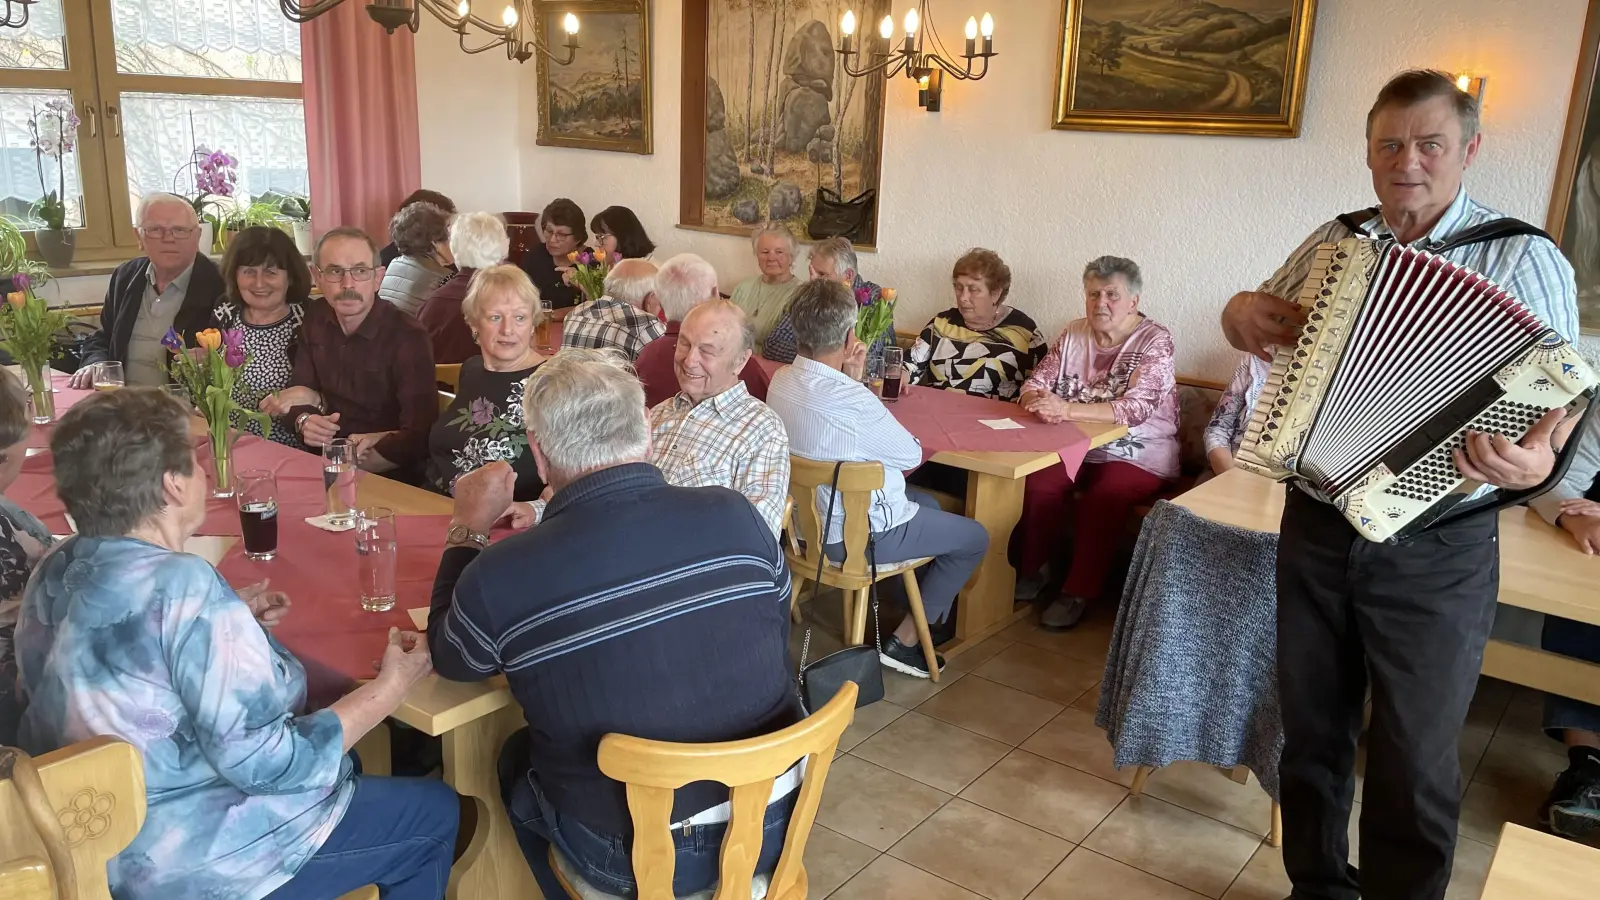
column 1494, row 230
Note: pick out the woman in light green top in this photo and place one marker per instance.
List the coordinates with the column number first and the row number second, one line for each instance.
column 765, row 298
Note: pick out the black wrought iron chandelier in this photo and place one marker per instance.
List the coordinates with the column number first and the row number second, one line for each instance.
column 515, row 30
column 16, row 13
column 921, row 55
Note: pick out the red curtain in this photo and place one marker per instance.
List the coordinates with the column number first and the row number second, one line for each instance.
column 362, row 138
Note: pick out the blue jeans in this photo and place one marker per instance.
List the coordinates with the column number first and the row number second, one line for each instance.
column 1580, row 641
column 397, row 833
column 606, row 861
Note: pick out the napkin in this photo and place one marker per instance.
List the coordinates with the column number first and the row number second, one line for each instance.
column 419, row 617
column 326, row 524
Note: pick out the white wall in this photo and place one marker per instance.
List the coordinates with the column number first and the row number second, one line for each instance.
column 1204, row 216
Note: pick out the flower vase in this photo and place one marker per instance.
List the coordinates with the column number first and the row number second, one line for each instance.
column 41, row 395
column 206, row 230
column 222, row 466
column 56, row 246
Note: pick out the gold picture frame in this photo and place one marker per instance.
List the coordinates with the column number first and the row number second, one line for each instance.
column 1177, row 68
column 1574, row 217
column 596, row 103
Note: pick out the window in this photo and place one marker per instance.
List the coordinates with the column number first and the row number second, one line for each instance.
column 151, row 80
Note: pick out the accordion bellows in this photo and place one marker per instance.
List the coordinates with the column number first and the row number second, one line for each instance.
column 1402, row 352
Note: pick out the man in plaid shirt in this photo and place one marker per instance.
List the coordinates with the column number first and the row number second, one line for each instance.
column 625, row 319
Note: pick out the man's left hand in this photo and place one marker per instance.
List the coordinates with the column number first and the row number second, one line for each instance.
column 1494, row 460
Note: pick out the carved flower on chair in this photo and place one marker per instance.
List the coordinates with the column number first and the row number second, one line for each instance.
column 88, row 815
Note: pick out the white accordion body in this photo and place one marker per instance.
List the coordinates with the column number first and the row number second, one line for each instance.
column 1402, row 353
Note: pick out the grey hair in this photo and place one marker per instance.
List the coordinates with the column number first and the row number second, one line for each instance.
column 13, row 411
column 837, row 249
column 631, row 281
column 419, row 228
column 112, row 451
column 479, row 240
column 162, row 198
column 586, row 410
column 778, row 228
column 683, row 281
column 1105, row 267
column 823, row 312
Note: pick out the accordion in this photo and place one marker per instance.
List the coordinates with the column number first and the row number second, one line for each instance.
column 1402, row 353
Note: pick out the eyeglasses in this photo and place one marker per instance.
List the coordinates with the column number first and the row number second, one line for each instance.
column 176, row 232
column 337, row 273
column 553, row 234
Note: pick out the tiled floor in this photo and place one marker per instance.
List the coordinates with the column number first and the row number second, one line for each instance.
column 996, row 783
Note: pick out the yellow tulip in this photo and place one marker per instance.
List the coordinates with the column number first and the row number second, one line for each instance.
column 888, row 295
column 210, row 339
column 573, row 256
column 17, row 298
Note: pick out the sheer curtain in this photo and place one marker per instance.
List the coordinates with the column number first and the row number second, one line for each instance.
column 362, row 141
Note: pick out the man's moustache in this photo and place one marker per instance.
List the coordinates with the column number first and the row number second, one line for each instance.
column 347, row 295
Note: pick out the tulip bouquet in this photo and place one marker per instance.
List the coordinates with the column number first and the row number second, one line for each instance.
column 27, row 326
column 207, row 372
column 589, row 270
column 874, row 315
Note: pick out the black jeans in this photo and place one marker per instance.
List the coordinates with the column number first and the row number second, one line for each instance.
column 1414, row 617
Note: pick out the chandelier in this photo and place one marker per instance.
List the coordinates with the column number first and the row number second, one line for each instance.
column 921, row 55
column 16, row 15
column 514, row 31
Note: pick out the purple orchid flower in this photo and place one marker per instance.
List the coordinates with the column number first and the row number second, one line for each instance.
column 482, row 411
column 172, row 341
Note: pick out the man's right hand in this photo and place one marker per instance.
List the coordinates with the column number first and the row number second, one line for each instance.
column 1583, row 523
column 280, row 402
column 82, row 379
column 1255, row 322
column 319, row 430
column 483, row 496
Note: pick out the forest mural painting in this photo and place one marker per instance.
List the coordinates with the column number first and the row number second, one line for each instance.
column 601, row 101
column 780, row 116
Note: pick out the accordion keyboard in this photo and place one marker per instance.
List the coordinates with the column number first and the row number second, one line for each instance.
column 1435, row 475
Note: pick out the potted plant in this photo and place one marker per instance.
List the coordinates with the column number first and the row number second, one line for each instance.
column 54, row 131
column 296, row 210
column 27, row 323
column 210, row 174
column 239, row 218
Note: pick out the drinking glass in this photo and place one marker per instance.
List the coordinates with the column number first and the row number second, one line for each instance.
column 180, row 393
column 544, row 335
column 894, row 373
column 339, row 479
column 376, row 557
column 108, row 376
column 256, row 491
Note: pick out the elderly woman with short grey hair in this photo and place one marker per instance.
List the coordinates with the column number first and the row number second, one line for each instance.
column 765, row 297
column 832, row 259
column 478, row 240
column 123, row 633
column 421, row 232
column 1114, row 365
column 23, row 540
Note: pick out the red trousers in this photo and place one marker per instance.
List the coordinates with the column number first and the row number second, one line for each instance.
column 1109, row 492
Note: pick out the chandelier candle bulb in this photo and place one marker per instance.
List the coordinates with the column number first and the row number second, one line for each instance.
column 988, row 34
column 911, row 21
column 509, row 17
column 464, row 8
column 886, row 28
column 972, row 36
column 847, row 25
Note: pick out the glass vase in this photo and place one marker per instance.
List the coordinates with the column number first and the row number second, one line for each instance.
column 41, row 395
column 222, row 468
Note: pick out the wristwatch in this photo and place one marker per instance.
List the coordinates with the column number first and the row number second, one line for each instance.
column 460, row 534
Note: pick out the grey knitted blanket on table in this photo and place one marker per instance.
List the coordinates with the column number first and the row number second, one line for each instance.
column 1191, row 670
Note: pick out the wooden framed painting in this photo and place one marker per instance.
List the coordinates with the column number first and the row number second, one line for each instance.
column 1574, row 217
column 770, row 117
column 602, row 100
column 1228, row 67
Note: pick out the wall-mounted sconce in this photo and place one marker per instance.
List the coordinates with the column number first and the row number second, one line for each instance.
column 930, row 87
column 1472, row 84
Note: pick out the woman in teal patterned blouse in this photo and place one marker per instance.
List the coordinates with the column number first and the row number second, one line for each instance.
column 250, row 794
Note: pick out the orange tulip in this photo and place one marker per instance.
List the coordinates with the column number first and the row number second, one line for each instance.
column 210, row 339
column 573, row 256
column 888, row 295
column 17, row 298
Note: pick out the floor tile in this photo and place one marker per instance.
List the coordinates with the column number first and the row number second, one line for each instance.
column 1489, row 703
column 1512, row 763
column 1524, row 719
column 869, row 720
column 1183, row 847
column 874, row 805
column 1470, row 871
column 1047, row 795
column 832, row 859
column 1486, row 808
column 1470, row 753
column 1263, row 877
column 933, row 752
column 905, row 690
column 1089, row 700
column 1089, row 641
column 982, row 851
column 992, row 710
column 1072, row 738
column 1086, row 875
column 968, row 660
column 890, row 879
column 1042, row 673
column 1208, row 791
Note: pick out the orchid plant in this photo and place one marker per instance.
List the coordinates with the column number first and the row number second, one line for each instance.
column 213, row 173
column 589, row 270
column 207, row 372
column 53, row 131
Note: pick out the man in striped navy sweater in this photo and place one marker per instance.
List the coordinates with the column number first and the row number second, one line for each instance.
column 633, row 607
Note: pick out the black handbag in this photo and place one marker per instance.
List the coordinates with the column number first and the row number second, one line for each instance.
column 821, row 680
column 836, row 217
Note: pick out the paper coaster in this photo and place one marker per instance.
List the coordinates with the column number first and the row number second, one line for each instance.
column 323, row 523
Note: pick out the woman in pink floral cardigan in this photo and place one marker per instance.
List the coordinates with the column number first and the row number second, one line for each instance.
column 1113, row 365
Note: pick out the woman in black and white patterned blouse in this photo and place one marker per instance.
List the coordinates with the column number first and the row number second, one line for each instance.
column 268, row 287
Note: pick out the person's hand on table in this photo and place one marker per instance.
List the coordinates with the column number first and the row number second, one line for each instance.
column 1581, row 519
column 1048, row 408
column 484, row 495
column 1255, row 322
column 405, row 661
column 279, row 403
column 1493, row 459
column 269, row 607
column 317, row 430
column 363, row 443
column 83, row 379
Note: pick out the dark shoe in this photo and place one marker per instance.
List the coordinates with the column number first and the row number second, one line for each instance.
column 1573, row 809
column 943, row 632
column 1063, row 614
column 1030, row 587
column 908, row 660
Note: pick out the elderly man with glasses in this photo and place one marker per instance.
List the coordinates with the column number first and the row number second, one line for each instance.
column 172, row 285
column 364, row 370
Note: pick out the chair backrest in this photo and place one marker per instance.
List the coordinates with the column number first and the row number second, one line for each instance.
column 445, row 399
column 448, row 373
column 857, row 481
column 85, row 803
column 652, row 770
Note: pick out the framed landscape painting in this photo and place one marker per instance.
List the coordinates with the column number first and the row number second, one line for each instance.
column 1574, row 217
column 1230, row 67
column 602, row 100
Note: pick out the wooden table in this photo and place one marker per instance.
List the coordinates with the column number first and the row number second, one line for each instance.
column 1529, row 865
column 1541, row 569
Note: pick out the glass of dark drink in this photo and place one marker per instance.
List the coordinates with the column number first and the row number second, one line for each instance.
column 256, row 491
column 894, row 373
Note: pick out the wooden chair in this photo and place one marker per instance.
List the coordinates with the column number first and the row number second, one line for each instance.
column 448, row 374
column 445, row 399
column 653, row 770
column 857, row 481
